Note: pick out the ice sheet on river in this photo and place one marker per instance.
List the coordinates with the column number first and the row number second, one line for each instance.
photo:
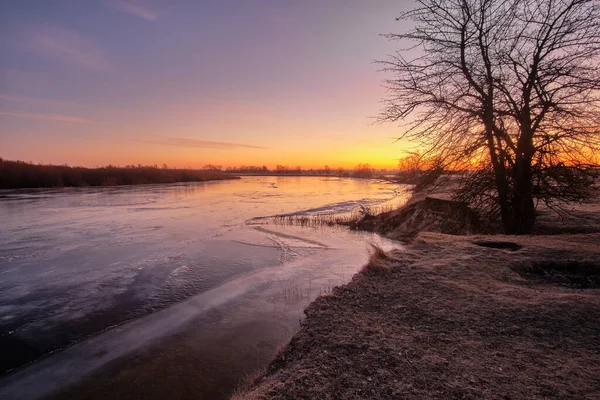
column 79, row 261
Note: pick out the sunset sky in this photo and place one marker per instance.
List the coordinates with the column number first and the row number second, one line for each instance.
column 187, row 83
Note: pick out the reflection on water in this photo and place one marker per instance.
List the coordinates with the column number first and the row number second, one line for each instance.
column 74, row 262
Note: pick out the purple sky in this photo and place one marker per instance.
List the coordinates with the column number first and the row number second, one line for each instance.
column 193, row 82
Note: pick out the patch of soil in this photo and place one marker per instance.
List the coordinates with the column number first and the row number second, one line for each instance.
column 582, row 274
column 448, row 320
column 512, row 246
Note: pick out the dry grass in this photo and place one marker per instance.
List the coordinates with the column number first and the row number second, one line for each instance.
column 379, row 261
column 469, row 317
column 247, row 382
column 314, row 220
column 456, row 320
column 328, row 219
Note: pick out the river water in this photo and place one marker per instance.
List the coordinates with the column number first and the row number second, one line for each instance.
column 161, row 291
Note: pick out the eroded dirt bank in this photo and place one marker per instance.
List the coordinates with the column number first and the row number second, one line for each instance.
column 453, row 317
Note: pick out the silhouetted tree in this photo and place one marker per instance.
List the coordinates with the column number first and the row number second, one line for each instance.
column 506, row 90
column 212, row 167
column 282, row 169
column 363, row 171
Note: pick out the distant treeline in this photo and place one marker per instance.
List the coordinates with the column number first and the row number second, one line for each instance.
column 360, row 171
column 19, row 174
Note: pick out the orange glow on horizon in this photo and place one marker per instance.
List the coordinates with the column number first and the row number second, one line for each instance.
column 197, row 163
column 181, row 152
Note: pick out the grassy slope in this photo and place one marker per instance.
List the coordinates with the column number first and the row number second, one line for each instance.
column 450, row 319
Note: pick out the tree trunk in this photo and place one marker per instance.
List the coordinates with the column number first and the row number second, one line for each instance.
column 503, row 201
column 523, row 209
column 500, row 171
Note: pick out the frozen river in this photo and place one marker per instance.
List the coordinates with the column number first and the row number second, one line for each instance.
column 82, row 270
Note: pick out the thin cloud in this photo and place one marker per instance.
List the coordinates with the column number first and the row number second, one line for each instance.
column 61, row 43
column 204, row 144
column 51, row 117
column 135, row 8
column 14, row 98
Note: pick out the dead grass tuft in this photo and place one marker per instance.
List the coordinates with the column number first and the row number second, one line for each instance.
column 246, row 383
column 379, row 260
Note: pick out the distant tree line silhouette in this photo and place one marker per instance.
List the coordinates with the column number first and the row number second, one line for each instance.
column 19, row 174
column 362, row 170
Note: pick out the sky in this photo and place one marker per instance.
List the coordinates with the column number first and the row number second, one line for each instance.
column 195, row 82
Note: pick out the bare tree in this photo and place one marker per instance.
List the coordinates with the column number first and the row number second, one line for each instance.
column 507, row 91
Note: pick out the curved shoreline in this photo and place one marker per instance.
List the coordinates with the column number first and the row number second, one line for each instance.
column 448, row 318
column 268, row 301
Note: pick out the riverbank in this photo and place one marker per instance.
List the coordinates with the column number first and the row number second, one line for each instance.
column 449, row 318
column 479, row 316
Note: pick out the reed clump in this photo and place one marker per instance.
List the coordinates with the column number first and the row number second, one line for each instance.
column 331, row 219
